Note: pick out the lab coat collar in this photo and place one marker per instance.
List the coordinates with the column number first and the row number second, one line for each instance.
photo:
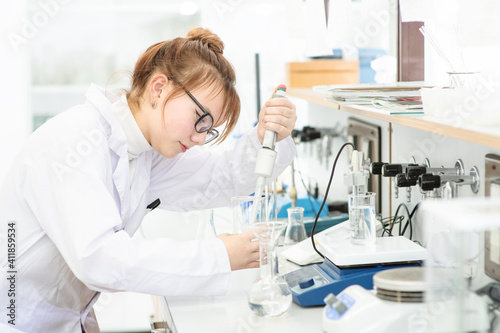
column 117, row 142
column 130, row 194
column 136, row 142
column 103, row 100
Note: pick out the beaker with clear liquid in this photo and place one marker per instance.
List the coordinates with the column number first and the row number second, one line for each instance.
column 269, row 295
column 362, row 221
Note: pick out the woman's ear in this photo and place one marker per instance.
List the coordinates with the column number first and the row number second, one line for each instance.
column 158, row 84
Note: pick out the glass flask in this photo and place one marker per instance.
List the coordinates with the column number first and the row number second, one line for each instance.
column 269, row 295
column 463, row 80
column 295, row 230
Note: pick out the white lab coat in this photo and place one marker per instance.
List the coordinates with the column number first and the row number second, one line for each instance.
column 75, row 210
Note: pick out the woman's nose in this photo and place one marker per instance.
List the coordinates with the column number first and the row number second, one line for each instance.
column 199, row 138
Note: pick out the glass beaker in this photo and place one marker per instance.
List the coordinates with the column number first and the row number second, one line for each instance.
column 269, row 295
column 295, row 230
column 243, row 208
column 463, row 80
column 362, row 218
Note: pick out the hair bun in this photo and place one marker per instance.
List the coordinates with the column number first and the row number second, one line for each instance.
column 207, row 37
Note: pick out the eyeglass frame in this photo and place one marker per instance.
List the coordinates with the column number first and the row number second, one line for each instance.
column 211, row 131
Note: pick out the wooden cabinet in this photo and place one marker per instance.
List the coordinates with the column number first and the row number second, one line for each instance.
column 321, row 72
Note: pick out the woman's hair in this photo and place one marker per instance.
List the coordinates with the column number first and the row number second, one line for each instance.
column 195, row 61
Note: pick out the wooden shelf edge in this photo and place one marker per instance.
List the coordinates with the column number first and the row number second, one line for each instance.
column 311, row 96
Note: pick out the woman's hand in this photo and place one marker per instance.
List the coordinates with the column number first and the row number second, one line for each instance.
column 242, row 249
column 278, row 115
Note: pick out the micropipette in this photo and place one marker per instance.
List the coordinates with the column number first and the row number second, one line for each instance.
column 267, row 155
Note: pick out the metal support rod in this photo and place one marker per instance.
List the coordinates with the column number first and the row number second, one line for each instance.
column 257, row 82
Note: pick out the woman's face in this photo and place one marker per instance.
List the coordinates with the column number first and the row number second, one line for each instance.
column 172, row 126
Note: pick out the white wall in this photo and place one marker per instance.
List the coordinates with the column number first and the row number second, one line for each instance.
column 15, row 114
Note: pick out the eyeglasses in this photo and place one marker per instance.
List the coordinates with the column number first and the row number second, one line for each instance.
column 205, row 121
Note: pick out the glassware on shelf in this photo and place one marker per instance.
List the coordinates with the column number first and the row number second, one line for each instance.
column 295, row 230
column 269, row 295
column 463, row 80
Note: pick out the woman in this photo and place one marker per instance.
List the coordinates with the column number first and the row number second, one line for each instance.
column 83, row 182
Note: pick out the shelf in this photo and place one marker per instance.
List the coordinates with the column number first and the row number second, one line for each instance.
column 483, row 135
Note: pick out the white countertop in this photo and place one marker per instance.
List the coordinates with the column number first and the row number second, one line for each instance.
column 230, row 313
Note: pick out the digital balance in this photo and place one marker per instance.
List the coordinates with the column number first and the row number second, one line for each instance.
column 347, row 264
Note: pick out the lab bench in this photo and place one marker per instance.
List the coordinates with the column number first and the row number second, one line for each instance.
column 230, row 313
